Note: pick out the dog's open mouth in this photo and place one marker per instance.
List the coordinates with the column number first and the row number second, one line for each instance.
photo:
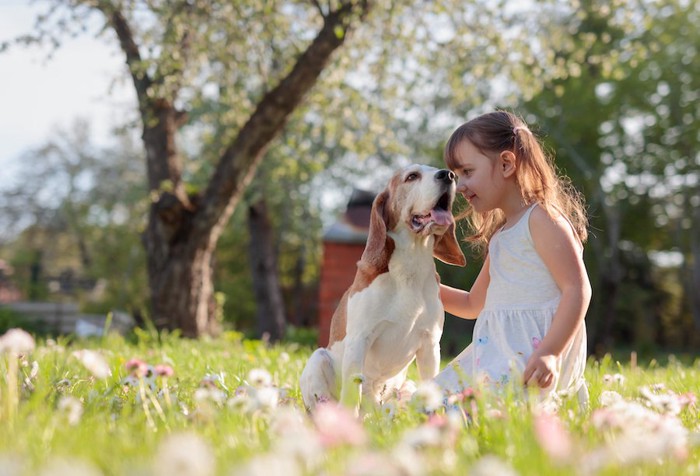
column 440, row 215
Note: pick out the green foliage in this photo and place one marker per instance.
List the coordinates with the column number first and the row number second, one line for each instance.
column 10, row 320
column 124, row 423
column 612, row 85
column 620, row 120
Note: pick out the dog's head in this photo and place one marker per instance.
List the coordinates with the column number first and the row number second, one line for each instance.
column 418, row 199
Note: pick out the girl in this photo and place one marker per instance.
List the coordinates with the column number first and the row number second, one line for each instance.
column 532, row 293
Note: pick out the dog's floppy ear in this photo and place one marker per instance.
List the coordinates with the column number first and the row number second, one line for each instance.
column 447, row 249
column 379, row 246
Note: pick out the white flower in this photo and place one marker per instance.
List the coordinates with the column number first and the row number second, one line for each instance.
column 72, row 408
column 667, row 403
column 639, row 434
column 266, row 398
column 35, row 370
column 205, row 394
column 428, row 396
column 94, row 362
column 184, row 454
column 296, row 437
column 376, row 463
column 424, row 436
column 609, row 397
column 408, row 460
column 259, row 378
column 491, row 465
column 16, row 341
column 269, row 464
column 69, row 467
column 388, row 410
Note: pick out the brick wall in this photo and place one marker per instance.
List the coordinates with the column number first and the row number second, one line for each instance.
column 337, row 273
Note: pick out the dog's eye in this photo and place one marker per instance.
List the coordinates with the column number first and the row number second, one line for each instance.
column 412, row 176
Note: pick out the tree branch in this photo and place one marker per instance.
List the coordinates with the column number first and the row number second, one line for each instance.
column 142, row 82
column 239, row 161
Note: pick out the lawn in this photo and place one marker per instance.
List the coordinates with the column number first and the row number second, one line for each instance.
column 157, row 404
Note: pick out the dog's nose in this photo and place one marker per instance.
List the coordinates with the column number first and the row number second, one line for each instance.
column 445, row 175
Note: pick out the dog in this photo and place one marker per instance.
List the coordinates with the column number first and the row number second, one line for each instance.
column 392, row 313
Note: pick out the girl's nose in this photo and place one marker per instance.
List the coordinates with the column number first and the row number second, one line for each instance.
column 461, row 185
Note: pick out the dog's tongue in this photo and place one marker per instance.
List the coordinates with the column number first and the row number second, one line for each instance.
column 441, row 217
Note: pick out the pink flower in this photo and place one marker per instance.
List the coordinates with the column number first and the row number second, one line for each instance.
column 163, row 370
column 687, row 399
column 336, row 425
column 552, row 436
column 137, row 367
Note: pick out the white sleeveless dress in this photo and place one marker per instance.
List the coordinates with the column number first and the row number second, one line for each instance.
column 521, row 300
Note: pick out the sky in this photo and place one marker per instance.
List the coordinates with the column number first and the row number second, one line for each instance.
column 39, row 97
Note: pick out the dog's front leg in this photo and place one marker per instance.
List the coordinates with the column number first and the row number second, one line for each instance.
column 428, row 358
column 353, row 362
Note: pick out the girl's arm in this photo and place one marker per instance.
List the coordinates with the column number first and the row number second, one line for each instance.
column 467, row 304
column 562, row 253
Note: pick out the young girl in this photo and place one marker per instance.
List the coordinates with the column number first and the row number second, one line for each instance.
column 532, row 293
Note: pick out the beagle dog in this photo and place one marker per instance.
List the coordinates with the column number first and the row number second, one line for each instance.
column 392, row 313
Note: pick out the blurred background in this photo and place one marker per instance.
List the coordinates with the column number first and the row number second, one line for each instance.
column 611, row 87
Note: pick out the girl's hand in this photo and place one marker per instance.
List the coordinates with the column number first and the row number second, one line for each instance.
column 541, row 370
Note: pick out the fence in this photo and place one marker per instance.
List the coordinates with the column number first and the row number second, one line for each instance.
column 64, row 318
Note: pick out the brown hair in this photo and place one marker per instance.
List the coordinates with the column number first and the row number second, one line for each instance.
column 536, row 175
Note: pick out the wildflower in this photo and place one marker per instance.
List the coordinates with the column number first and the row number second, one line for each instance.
column 35, row 370
column 137, row 368
column 296, row 437
column 373, row 462
column 609, row 397
column 12, row 464
column 163, row 370
column 667, row 403
column 259, row 378
column 490, row 465
column 428, row 396
column 184, row 454
column 16, row 342
column 617, row 378
column 388, row 410
column 72, row 408
column 639, row 434
column 687, row 399
column 552, row 436
column 94, row 362
column 265, row 398
column 424, row 436
column 336, row 426
column 69, row 467
column 409, row 461
column 213, row 380
column 208, row 394
column 269, row 464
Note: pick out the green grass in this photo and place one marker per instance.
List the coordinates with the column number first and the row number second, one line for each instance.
column 207, row 406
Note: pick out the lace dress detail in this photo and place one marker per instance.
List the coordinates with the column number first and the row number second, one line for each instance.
column 521, row 300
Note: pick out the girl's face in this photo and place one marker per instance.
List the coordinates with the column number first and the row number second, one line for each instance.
column 477, row 178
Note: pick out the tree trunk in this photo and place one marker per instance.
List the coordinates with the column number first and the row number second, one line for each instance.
column 182, row 231
column 611, row 275
column 693, row 289
column 263, row 263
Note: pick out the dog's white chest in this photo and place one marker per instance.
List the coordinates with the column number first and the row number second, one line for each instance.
column 399, row 317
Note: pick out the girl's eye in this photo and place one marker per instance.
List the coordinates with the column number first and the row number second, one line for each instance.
column 466, row 172
column 411, row 177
